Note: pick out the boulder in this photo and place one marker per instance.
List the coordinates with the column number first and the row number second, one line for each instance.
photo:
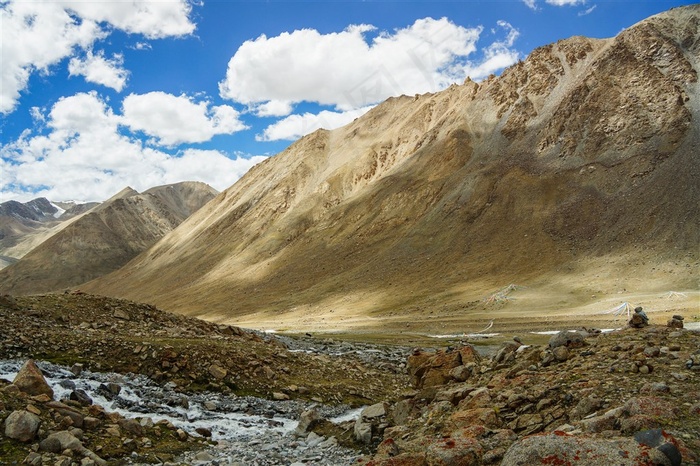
column 371, row 422
column 307, row 420
column 454, row 451
column 568, row 338
column 68, row 441
column 560, row 448
column 434, row 369
column 375, row 411
column 662, row 441
column 363, row 431
column 22, row 426
column 31, row 381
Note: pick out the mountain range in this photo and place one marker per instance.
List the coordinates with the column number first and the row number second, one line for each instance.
column 99, row 240
column 558, row 190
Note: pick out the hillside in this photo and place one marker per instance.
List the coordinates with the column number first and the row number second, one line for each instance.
column 23, row 224
column 104, row 238
column 574, row 176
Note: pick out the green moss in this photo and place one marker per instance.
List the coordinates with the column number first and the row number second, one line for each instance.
column 12, row 452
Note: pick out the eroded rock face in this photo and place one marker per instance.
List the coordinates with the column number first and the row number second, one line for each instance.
column 31, row 381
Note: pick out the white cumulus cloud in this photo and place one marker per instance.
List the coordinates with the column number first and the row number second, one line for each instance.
column 100, row 70
column 498, row 55
column 85, row 155
column 273, row 108
column 173, row 120
column 38, row 35
column 295, row 126
column 343, row 69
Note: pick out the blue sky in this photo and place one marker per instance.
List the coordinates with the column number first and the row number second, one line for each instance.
column 97, row 96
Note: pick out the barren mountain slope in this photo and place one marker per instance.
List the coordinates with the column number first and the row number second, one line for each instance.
column 574, row 174
column 105, row 238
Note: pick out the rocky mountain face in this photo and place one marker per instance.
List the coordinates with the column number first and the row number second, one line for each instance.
column 575, row 173
column 18, row 221
column 104, row 238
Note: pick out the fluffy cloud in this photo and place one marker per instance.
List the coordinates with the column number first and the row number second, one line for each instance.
column 37, row 35
column 497, row 56
column 345, row 71
column 100, row 70
column 173, row 120
column 85, row 156
column 348, row 72
column 295, row 126
column 273, row 108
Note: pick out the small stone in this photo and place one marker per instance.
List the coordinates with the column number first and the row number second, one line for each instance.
column 77, row 369
column 33, row 459
column 91, row 423
column 561, row 353
column 278, row 396
column 203, row 431
column 217, row 372
column 146, row 422
column 81, row 397
column 181, row 435
column 204, row 456
column 33, row 409
column 50, row 444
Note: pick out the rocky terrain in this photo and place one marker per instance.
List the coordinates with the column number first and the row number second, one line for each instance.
column 85, row 246
column 137, row 385
column 629, row 397
column 192, row 361
column 573, row 175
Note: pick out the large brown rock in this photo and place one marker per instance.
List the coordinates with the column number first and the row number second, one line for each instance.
column 30, row 380
column 432, row 369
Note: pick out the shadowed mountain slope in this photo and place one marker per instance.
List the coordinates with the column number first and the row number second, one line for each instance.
column 575, row 174
column 105, row 238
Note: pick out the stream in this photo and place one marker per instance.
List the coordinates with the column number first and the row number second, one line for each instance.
column 249, row 431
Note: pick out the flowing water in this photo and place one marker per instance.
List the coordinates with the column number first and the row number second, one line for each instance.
column 249, row 430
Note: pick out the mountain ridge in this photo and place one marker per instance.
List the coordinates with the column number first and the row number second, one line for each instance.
column 576, row 165
column 104, row 238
